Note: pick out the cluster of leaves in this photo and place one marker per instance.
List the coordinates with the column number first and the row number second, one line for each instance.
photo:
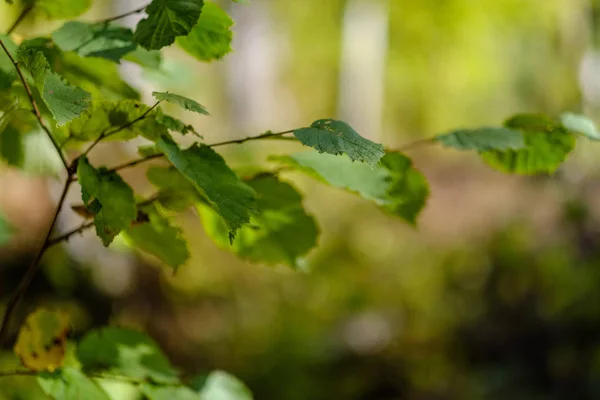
column 70, row 79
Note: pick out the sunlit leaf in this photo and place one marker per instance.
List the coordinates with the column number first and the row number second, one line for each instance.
column 149, row 59
column 580, row 124
column 483, row 139
column 183, row 102
column 125, row 352
column 169, row 393
column 108, row 197
column 61, row 9
column 337, row 137
column 64, row 102
column 70, row 384
column 42, row 340
column 221, row 385
column 95, row 40
column 394, row 184
column 211, row 38
column 279, row 232
column 216, row 182
column 167, row 19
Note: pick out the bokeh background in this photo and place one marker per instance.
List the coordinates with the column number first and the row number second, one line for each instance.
column 494, row 295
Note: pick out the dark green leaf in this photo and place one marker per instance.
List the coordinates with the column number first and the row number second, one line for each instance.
column 547, row 145
column 169, row 393
column 95, row 40
column 6, row 230
column 160, row 238
column 166, row 20
column 337, row 137
column 11, row 146
column 126, row 352
column 580, row 124
column 8, row 73
column 176, row 193
column 183, row 102
column 174, row 124
column 394, row 184
column 64, row 102
column 215, row 181
column 61, row 9
column 483, row 139
column 280, row 232
column 118, row 207
column 70, row 384
column 223, row 386
column 211, row 38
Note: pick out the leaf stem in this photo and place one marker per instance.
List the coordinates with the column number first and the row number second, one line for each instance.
column 32, row 269
column 36, row 110
column 127, row 14
column 19, row 19
column 416, row 143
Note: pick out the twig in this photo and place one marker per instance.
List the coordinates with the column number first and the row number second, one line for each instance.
column 416, row 143
column 36, row 110
column 127, row 14
column 96, row 375
column 31, row 270
column 267, row 135
column 19, row 19
column 22, row 372
column 67, row 236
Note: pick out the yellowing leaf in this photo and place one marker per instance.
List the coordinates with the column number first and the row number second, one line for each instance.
column 42, row 340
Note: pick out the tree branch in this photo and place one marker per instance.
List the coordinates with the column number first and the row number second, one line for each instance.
column 20, row 19
column 127, row 14
column 36, row 110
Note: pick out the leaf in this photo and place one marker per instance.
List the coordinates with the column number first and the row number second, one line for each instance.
column 177, row 193
column 166, row 20
column 483, row 139
column 280, row 232
column 126, row 352
column 11, row 146
column 169, row 393
column 337, row 137
column 108, row 197
column 8, row 73
column 580, row 124
column 42, row 340
column 394, row 184
column 547, row 145
column 183, row 102
column 6, row 230
column 160, row 238
column 211, row 38
column 215, row 181
column 149, row 59
column 64, row 102
column 95, row 40
column 70, row 384
column 174, row 124
column 61, row 9
column 223, row 386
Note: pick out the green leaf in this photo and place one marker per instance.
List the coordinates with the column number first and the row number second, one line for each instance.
column 6, row 231
column 183, row 102
column 547, row 145
column 95, row 40
column 169, row 393
column 174, row 124
column 8, row 73
column 11, row 146
column 70, row 384
column 394, row 184
column 215, row 181
column 160, row 238
column 115, row 197
column 280, row 232
column 483, row 139
column 177, row 193
column 166, row 20
column 211, row 38
column 149, row 59
column 64, row 102
column 61, row 9
column 337, row 137
column 223, row 386
column 580, row 124
column 126, row 352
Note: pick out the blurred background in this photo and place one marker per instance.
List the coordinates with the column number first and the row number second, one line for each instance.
column 495, row 294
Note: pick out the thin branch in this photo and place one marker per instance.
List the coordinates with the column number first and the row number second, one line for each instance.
column 267, row 135
column 416, row 143
column 36, row 110
column 19, row 19
column 104, row 135
column 31, row 270
column 22, row 372
column 127, row 14
column 97, row 375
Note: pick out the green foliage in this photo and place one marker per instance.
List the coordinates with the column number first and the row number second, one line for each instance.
column 220, row 385
column 64, row 102
column 393, row 184
column 8, row 74
column 167, row 19
column 337, row 137
column 484, row 139
column 183, row 102
column 168, row 393
column 61, row 9
column 106, row 196
column 211, row 38
column 11, row 146
column 69, row 384
column 6, row 230
column 581, row 125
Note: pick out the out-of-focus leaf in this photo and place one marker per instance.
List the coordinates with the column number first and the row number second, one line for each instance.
column 183, row 102
column 177, row 193
column 169, row 393
column 6, row 230
column 221, row 385
column 42, row 340
column 150, row 59
column 483, row 139
column 70, row 384
column 211, row 38
column 580, row 124
column 11, row 146
column 126, row 352
column 61, row 9
column 337, row 137
column 8, row 73
column 167, row 19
